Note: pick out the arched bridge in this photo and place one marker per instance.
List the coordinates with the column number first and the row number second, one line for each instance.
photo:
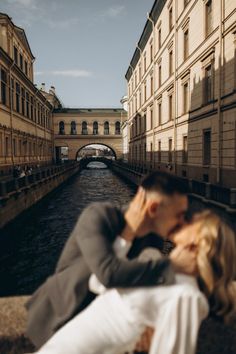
column 76, row 128
column 86, row 160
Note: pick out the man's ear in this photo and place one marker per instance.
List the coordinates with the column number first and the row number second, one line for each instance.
column 152, row 208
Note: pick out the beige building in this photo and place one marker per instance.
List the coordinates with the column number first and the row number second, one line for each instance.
column 182, row 91
column 25, row 113
column 76, row 128
column 125, row 131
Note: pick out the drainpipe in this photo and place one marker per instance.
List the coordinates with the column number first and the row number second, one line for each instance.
column 153, row 98
column 36, row 136
column 175, row 84
column 140, row 50
column 129, row 109
column 221, row 63
column 11, row 113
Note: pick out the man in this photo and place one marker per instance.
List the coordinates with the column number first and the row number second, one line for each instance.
column 158, row 207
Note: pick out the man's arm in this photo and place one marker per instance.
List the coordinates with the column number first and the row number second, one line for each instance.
column 97, row 228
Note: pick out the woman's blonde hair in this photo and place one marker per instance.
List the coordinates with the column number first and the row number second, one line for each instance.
column 217, row 264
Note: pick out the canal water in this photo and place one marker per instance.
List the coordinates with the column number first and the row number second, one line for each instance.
column 31, row 245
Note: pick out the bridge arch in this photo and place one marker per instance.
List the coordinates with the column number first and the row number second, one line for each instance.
column 90, row 144
column 85, row 161
column 89, row 129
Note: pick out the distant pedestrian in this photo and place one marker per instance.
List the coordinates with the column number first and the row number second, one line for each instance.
column 16, row 171
column 22, row 174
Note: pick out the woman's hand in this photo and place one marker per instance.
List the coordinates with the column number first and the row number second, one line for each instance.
column 184, row 259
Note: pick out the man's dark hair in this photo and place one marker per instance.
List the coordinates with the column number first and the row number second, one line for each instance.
column 164, row 183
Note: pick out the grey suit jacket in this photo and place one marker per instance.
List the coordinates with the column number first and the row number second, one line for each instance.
column 88, row 250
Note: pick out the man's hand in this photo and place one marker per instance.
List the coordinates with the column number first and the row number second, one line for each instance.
column 143, row 345
column 184, row 259
column 135, row 215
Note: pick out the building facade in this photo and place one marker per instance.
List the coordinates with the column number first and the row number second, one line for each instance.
column 26, row 135
column 125, row 130
column 76, row 128
column 182, row 91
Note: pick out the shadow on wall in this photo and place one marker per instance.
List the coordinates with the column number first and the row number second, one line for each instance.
column 206, row 128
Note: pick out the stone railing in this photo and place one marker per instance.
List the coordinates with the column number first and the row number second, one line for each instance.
column 15, row 185
column 208, row 192
column 19, row 194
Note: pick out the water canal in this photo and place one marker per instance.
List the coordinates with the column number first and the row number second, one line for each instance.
column 31, row 245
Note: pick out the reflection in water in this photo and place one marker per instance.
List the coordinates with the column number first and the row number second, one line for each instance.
column 96, row 165
column 31, row 245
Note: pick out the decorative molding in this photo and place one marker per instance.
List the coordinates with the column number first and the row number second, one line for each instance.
column 170, row 4
column 170, row 89
column 185, row 25
column 186, row 75
column 170, row 45
column 208, row 57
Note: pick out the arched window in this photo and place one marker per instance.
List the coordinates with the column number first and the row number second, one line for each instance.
column 84, row 128
column 61, row 128
column 73, row 128
column 95, row 128
column 117, row 128
column 106, row 128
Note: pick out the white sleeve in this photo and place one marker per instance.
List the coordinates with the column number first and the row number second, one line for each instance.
column 177, row 325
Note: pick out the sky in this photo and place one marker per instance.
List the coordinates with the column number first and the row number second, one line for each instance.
column 82, row 47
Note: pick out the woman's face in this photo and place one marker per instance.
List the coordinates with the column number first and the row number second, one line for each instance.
column 187, row 235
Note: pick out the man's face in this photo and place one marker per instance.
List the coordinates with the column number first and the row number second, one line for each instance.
column 170, row 214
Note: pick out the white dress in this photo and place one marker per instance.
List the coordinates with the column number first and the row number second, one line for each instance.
column 114, row 321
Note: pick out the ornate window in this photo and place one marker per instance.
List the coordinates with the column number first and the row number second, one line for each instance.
column 159, row 112
column 84, row 128
column 61, row 128
column 186, row 97
column 186, row 43
column 208, row 84
column 3, row 79
column 185, row 149
column 207, row 147
column 17, row 97
column 209, row 17
column 117, row 128
column 170, row 150
column 73, row 128
column 95, row 128
column 106, row 128
column 23, row 101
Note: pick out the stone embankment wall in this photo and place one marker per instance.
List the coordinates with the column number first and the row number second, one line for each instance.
column 18, row 194
column 204, row 193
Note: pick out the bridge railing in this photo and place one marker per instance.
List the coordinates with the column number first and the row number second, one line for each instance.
column 199, row 188
column 211, row 192
column 17, row 184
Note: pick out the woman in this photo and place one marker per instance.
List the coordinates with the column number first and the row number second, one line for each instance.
column 114, row 321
